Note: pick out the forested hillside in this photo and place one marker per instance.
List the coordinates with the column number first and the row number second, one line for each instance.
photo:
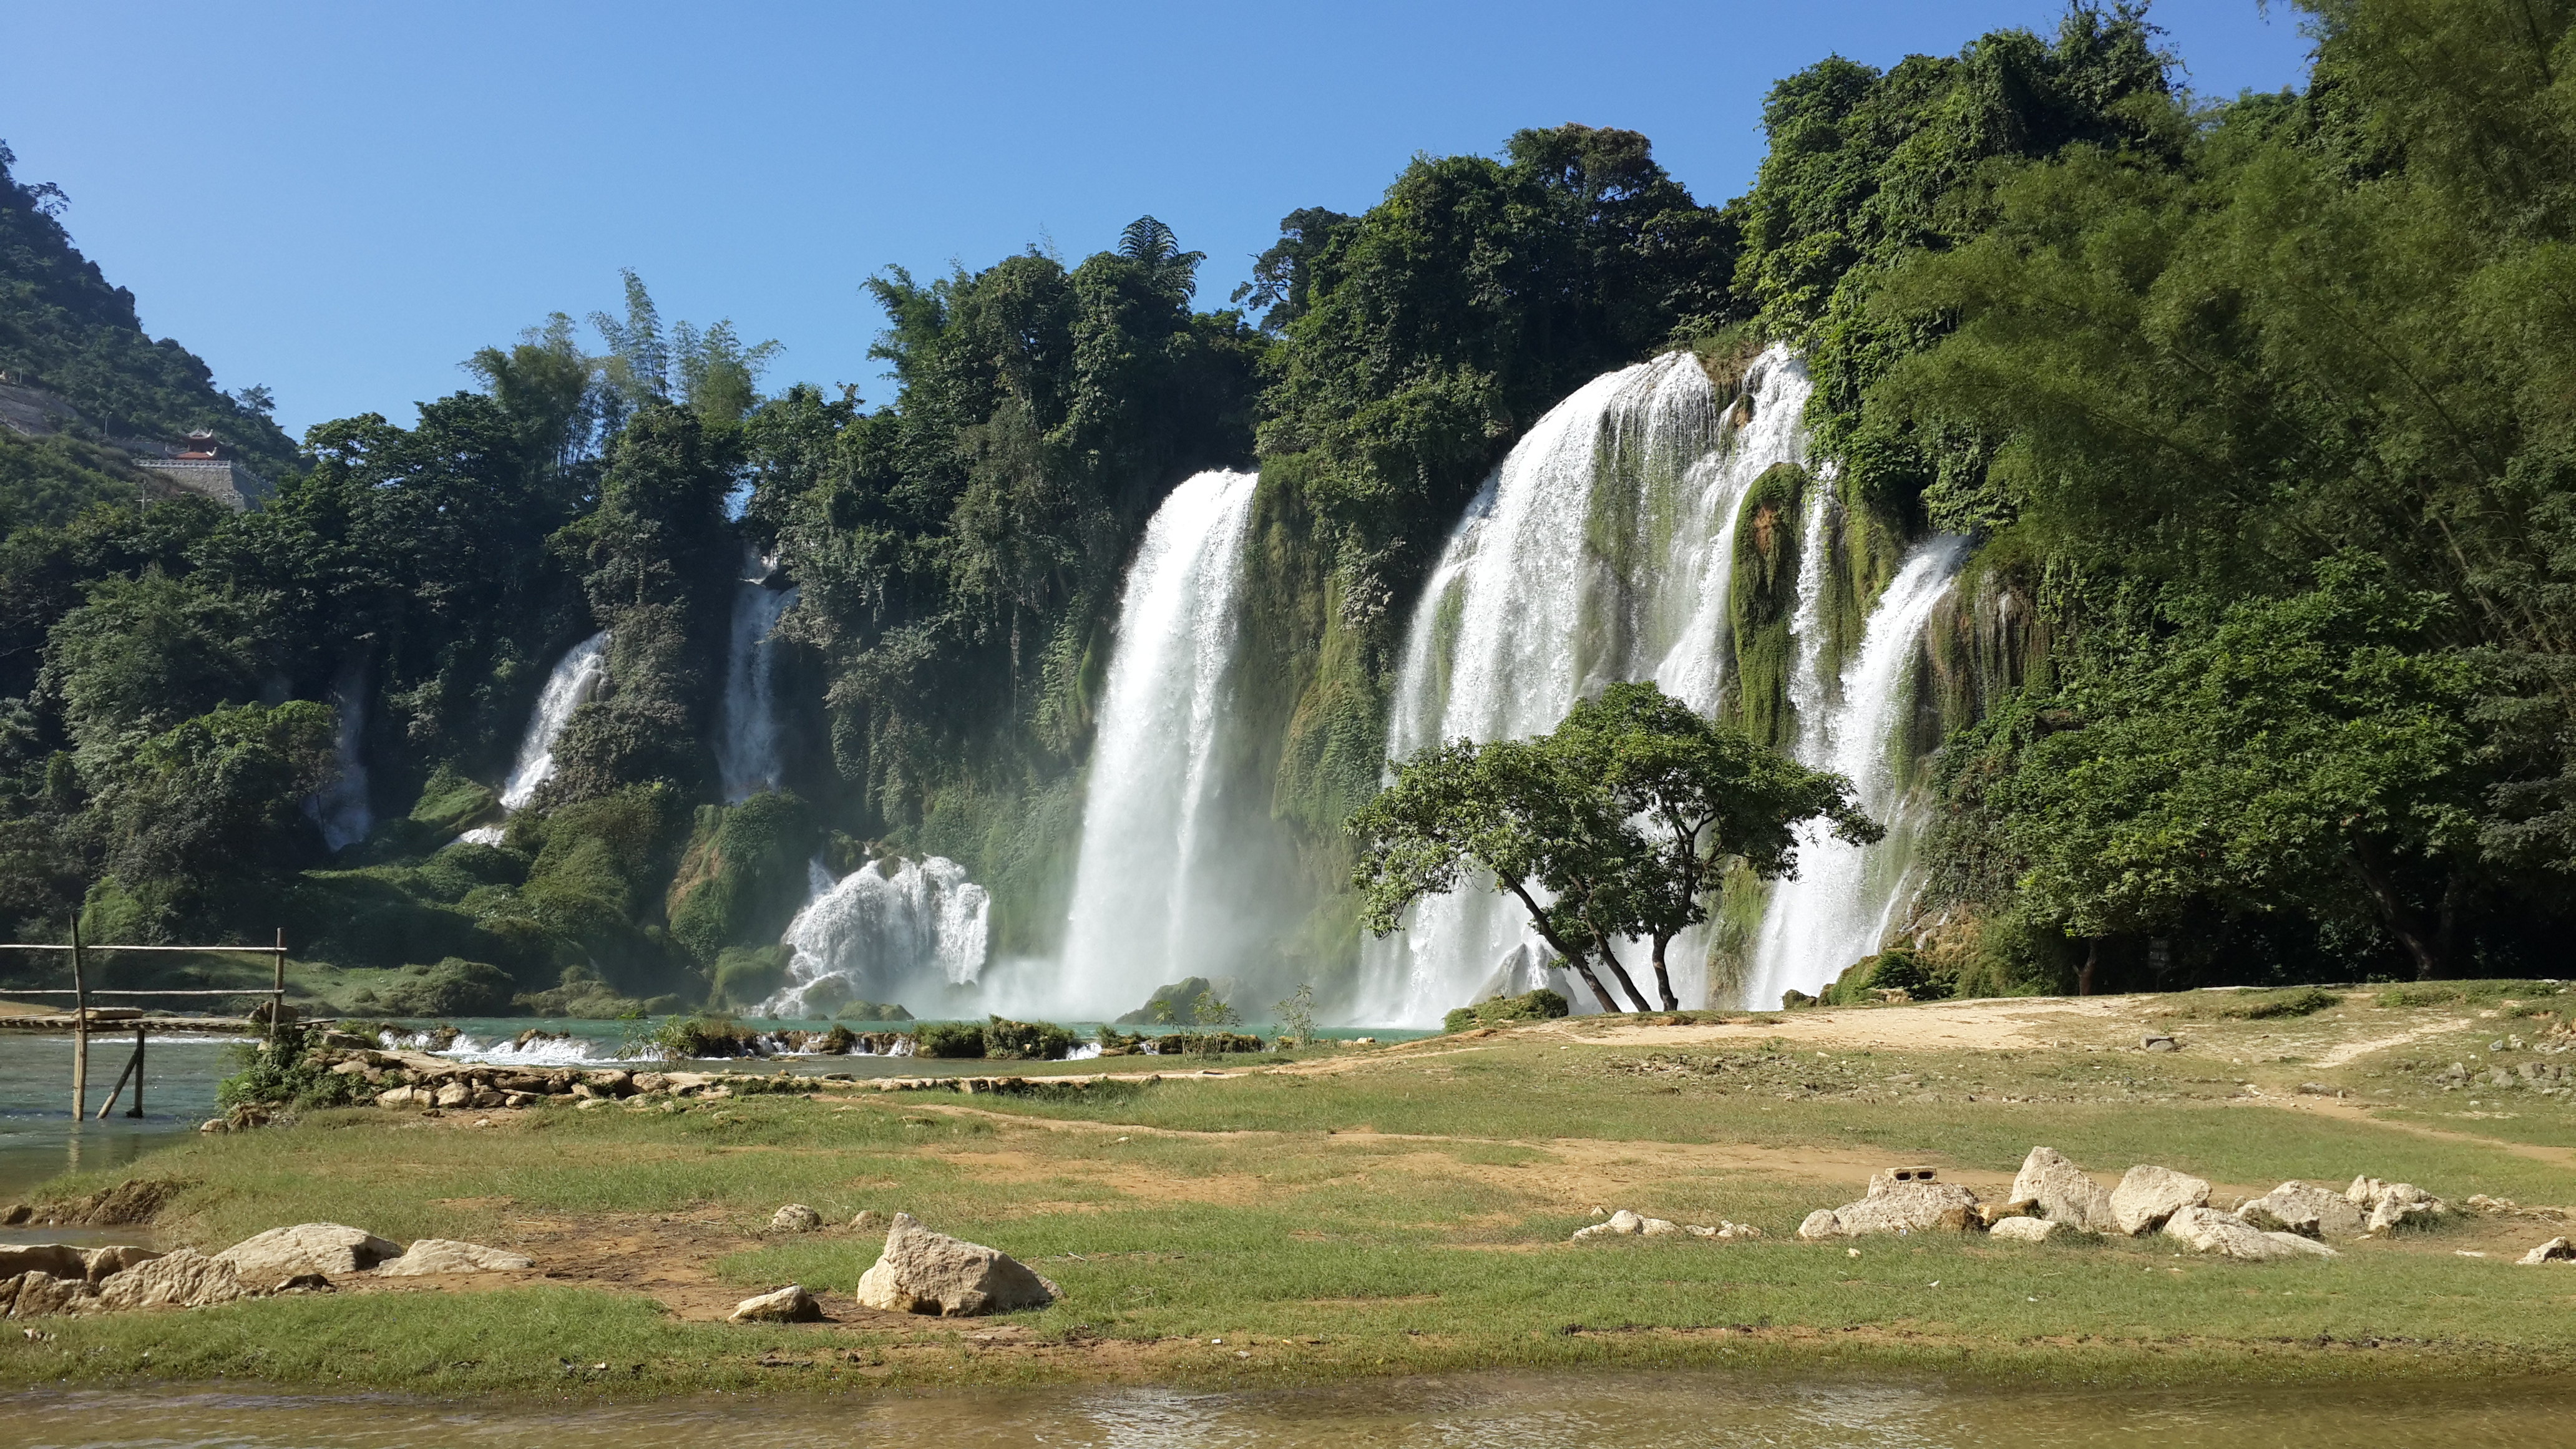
column 2258, row 413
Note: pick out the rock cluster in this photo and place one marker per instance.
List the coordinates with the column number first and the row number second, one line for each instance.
column 796, row 1217
column 926, row 1272
column 47, row 1278
column 2051, row 1194
column 416, row 1080
column 1626, row 1224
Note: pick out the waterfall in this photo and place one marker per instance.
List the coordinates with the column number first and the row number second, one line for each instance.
column 341, row 808
column 1144, row 910
column 1844, row 899
column 577, row 676
column 1600, row 550
column 888, row 930
column 747, row 716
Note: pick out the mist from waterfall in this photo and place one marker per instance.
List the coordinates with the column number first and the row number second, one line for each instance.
column 1148, row 905
column 576, row 678
column 1602, row 549
column 904, row 931
column 747, row 758
column 341, row 809
column 1844, row 899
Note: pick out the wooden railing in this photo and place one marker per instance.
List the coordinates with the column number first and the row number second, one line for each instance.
column 81, row 992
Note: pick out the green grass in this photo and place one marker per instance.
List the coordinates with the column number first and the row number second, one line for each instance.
column 1257, row 1208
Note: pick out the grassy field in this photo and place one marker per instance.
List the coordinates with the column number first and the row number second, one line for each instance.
column 1407, row 1209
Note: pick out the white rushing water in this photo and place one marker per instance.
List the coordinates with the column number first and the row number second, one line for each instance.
column 341, row 808
column 577, row 677
column 1146, row 905
column 912, row 932
column 1845, row 898
column 747, row 715
column 1600, row 550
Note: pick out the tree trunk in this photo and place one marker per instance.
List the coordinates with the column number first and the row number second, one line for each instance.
column 1579, row 961
column 2401, row 919
column 1610, row 958
column 1664, row 978
column 2084, row 973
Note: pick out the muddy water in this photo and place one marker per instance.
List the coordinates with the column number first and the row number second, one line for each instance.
column 1635, row 1411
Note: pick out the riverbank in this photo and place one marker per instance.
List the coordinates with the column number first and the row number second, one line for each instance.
column 1371, row 1211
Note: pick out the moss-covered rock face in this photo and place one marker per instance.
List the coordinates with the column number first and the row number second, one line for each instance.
column 1762, row 592
column 742, row 876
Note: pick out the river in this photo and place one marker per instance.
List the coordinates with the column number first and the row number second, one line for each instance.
column 1467, row 1411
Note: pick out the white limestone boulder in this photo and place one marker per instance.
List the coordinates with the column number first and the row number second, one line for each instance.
column 2306, row 1209
column 2025, row 1230
column 926, row 1272
column 791, row 1304
column 185, row 1278
column 446, row 1255
column 1895, row 1207
column 2148, row 1195
column 2059, row 1190
column 330, row 1249
column 2206, row 1230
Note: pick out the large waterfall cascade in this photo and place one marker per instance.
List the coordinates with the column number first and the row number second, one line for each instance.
column 1601, row 550
column 341, row 807
column 747, row 759
column 1844, row 898
column 1148, row 901
column 911, row 931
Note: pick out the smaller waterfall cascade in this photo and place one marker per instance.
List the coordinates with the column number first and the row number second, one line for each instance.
column 1602, row 549
column 1843, row 901
column 340, row 808
column 1143, row 912
column 747, row 716
column 888, row 930
column 577, row 677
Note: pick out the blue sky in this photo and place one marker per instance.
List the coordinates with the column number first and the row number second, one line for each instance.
column 342, row 201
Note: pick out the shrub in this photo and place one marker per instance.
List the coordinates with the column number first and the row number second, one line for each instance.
column 2265, row 1006
column 704, row 1035
column 2466, row 993
column 453, row 987
column 1030, row 1041
column 284, row 1073
column 952, row 1039
column 1539, row 1005
column 1895, row 969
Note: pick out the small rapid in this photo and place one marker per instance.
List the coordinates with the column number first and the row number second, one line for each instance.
column 888, row 931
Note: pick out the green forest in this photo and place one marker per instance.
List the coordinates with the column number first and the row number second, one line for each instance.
column 2261, row 413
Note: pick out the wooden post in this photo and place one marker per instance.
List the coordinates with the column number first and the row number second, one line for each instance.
column 80, row 1028
column 134, row 1069
column 277, row 997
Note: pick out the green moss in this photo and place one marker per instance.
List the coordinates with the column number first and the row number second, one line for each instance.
column 743, row 874
column 745, row 976
column 449, row 802
column 1762, row 592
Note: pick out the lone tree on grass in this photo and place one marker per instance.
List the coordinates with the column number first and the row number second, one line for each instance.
column 1614, row 826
